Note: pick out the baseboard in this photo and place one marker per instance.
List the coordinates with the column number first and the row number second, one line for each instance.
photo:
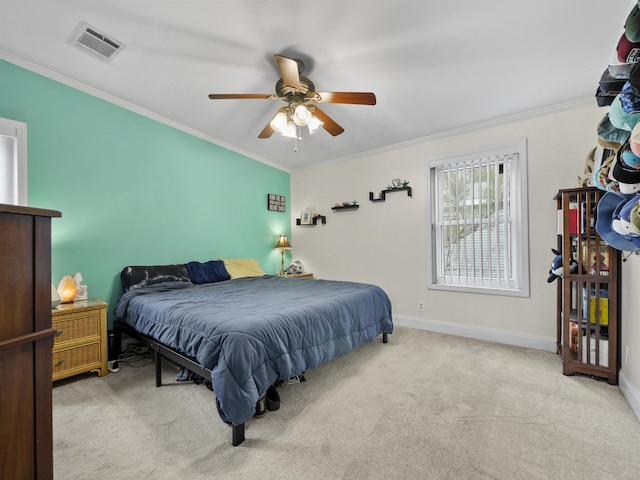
column 491, row 335
column 630, row 393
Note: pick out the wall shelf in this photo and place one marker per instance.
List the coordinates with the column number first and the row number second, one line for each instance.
column 337, row 208
column 383, row 193
column 316, row 219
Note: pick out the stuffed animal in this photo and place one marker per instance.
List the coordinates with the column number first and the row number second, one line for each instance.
column 557, row 269
column 295, row 268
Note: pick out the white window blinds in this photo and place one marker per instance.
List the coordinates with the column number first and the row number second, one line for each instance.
column 478, row 220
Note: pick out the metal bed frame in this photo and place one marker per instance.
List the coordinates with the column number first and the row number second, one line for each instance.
column 160, row 350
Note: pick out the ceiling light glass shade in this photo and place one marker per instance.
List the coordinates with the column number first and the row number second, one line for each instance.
column 289, row 130
column 279, row 121
column 314, row 124
column 301, row 115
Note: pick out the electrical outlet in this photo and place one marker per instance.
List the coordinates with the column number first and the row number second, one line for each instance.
column 420, row 306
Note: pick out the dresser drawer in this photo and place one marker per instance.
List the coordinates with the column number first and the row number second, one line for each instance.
column 83, row 358
column 77, row 327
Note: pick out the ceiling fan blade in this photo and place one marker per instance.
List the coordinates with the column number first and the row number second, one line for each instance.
column 267, row 131
column 329, row 125
column 237, row 96
column 354, row 98
column 288, row 71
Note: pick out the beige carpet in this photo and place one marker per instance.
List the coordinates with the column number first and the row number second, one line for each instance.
column 423, row 406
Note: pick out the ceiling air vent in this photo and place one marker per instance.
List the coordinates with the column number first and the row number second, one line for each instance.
column 95, row 43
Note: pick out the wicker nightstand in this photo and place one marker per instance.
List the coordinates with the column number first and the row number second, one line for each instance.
column 80, row 343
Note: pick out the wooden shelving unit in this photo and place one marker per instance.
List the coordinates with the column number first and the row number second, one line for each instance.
column 588, row 303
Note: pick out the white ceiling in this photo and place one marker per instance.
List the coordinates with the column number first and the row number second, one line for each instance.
column 435, row 66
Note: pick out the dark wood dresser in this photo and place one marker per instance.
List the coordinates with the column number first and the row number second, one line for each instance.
column 26, row 341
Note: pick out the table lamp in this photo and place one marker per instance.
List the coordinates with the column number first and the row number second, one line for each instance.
column 283, row 244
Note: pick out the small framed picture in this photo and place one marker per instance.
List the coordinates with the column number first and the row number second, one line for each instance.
column 306, row 218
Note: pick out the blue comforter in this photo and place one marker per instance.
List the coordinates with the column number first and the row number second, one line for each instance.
column 251, row 332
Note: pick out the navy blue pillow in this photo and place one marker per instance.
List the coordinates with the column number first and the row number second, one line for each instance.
column 207, row 272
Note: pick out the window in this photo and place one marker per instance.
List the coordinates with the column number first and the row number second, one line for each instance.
column 13, row 162
column 479, row 238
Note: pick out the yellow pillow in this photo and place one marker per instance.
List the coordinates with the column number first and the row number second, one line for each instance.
column 242, row 267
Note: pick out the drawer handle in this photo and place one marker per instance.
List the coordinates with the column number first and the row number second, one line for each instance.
column 60, row 362
column 59, row 332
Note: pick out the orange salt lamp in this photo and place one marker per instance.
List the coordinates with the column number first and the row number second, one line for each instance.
column 67, row 289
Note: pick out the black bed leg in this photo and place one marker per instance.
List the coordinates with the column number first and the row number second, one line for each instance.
column 158, row 359
column 384, row 338
column 237, row 434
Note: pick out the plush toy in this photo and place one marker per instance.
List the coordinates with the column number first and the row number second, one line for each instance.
column 557, row 269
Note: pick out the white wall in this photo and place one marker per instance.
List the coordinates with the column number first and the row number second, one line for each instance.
column 630, row 375
column 384, row 243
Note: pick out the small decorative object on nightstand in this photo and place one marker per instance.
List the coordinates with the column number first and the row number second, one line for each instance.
column 67, row 289
column 80, row 343
column 82, row 293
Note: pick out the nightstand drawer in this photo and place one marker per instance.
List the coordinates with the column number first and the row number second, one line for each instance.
column 81, row 358
column 77, row 327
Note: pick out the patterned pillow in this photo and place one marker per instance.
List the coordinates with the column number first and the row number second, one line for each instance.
column 133, row 277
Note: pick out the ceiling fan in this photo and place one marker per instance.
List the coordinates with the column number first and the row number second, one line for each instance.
column 298, row 93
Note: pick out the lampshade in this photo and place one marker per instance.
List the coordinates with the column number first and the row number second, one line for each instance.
column 314, row 124
column 279, row 121
column 301, row 115
column 289, row 130
column 283, row 243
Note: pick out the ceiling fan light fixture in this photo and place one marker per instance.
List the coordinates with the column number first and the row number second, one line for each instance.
column 290, row 130
column 301, row 115
column 279, row 121
column 314, row 124
column 299, row 93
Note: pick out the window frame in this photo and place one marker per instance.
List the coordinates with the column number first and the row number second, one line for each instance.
column 519, row 221
column 18, row 130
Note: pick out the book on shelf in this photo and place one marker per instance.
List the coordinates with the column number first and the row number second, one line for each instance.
column 573, row 220
column 593, row 310
column 592, row 345
column 596, row 259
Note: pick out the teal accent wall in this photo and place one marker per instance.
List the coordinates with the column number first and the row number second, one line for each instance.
column 133, row 191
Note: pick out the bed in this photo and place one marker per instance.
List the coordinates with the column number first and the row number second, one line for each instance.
column 246, row 331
